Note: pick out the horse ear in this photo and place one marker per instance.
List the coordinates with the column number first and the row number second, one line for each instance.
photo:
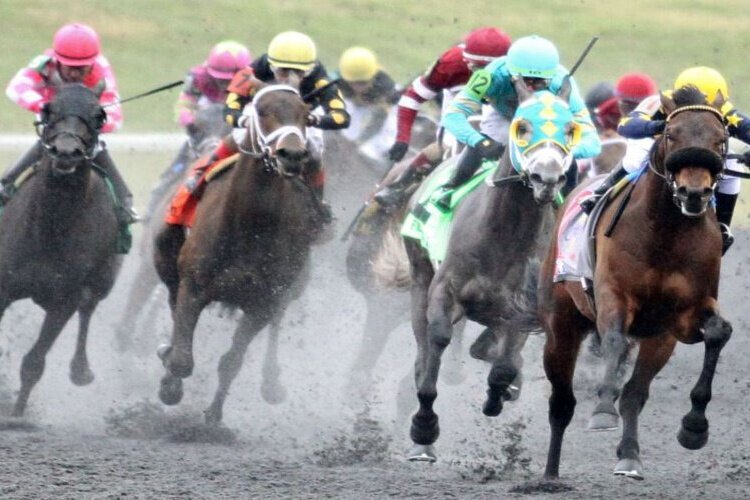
column 719, row 100
column 667, row 103
column 521, row 90
column 565, row 89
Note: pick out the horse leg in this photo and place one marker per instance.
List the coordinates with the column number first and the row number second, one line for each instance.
column 505, row 373
column 231, row 361
column 380, row 321
column 560, row 352
column 32, row 366
column 453, row 373
column 167, row 248
column 270, row 387
column 178, row 356
column 693, row 433
column 615, row 347
column 652, row 356
column 424, row 424
column 144, row 283
column 80, row 371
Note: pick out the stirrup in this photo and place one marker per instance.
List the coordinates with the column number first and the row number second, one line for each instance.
column 727, row 238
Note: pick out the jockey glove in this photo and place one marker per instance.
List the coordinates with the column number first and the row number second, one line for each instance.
column 487, row 148
column 656, row 126
column 398, row 151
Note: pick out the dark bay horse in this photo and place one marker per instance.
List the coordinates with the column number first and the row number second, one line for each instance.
column 58, row 234
column 496, row 231
column 250, row 244
column 209, row 128
column 656, row 280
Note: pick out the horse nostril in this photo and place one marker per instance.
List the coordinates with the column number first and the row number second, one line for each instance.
column 707, row 192
column 681, row 191
column 535, row 178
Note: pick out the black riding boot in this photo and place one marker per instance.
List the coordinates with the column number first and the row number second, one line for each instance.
column 395, row 192
column 613, row 178
column 468, row 163
column 32, row 156
column 167, row 179
column 724, row 211
column 127, row 213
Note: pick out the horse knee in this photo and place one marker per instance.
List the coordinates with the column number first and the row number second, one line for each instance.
column 615, row 343
column 439, row 333
column 716, row 332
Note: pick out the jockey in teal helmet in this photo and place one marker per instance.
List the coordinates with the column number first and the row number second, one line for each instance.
column 537, row 62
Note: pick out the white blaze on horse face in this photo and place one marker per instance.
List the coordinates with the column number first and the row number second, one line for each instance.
column 546, row 166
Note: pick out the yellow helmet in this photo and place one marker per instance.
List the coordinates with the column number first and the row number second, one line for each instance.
column 292, row 49
column 358, row 64
column 707, row 80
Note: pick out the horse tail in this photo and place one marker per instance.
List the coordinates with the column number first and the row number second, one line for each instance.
column 525, row 302
column 391, row 264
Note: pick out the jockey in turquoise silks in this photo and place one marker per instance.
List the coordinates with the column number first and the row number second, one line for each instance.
column 537, row 62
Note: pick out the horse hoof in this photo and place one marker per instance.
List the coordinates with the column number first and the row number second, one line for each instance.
column 422, row 453
column 170, row 392
column 512, row 393
column 629, row 467
column 163, row 351
column 273, row 392
column 81, row 377
column 603, row 422
column 692, row 440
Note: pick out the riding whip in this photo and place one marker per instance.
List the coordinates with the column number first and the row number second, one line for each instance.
column 583, row 55
column 315, row 93
column 144, row 94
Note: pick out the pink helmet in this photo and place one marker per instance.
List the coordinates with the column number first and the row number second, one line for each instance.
column 76, row 44
column 485, row 44
column 634, row 87
column 226, row 58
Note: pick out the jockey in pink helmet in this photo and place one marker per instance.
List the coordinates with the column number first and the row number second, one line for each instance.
column 205, row 84
column 75, row 57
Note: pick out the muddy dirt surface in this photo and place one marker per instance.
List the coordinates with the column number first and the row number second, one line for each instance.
column 114, row 439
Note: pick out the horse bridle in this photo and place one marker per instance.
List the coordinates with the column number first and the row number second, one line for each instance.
column 669, row 176
column 263, row 143
column 522, row 171
column 87, row 152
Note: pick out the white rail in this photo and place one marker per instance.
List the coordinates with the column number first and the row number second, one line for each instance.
column 116, row 142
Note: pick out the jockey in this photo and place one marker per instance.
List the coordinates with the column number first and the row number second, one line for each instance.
column 292, row 60
column 649, row 119
column 447, row 75
column 205, row 84
column 629, row 91
column 537, row 62
column 75, row 57
column 596, row 96
column 369, row 93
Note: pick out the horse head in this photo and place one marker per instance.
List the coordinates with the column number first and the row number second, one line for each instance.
column 541, row 136
column 69, row 128
column 690, row 153
column 278, row 118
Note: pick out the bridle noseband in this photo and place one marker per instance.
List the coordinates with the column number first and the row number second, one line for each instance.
column 263, row 143
column 86, row 152
column 669, row 175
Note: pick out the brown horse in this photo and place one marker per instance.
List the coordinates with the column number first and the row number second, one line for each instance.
column 656, row 280
column 250, row 243
column 58, row 234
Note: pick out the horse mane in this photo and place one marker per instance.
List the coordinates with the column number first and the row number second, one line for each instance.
column 687, row 96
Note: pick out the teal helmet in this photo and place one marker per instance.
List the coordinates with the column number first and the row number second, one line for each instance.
column 533, row 57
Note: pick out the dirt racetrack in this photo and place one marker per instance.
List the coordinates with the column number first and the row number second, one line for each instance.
column 114, row 439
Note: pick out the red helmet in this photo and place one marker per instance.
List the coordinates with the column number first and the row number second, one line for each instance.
column 635, row 87
column 485, row 44
column 226, row 58
column 76, row 44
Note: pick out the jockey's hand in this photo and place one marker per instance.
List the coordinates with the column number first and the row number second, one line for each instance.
column 313, row 120
column 398, row 151
column 487, row 148
column 744, row 158
column 656, row 126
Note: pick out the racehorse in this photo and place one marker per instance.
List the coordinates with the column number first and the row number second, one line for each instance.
column 58, row 234
column 655, row 280
column 250, row 244
column 209, row 127
column 496, row 230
